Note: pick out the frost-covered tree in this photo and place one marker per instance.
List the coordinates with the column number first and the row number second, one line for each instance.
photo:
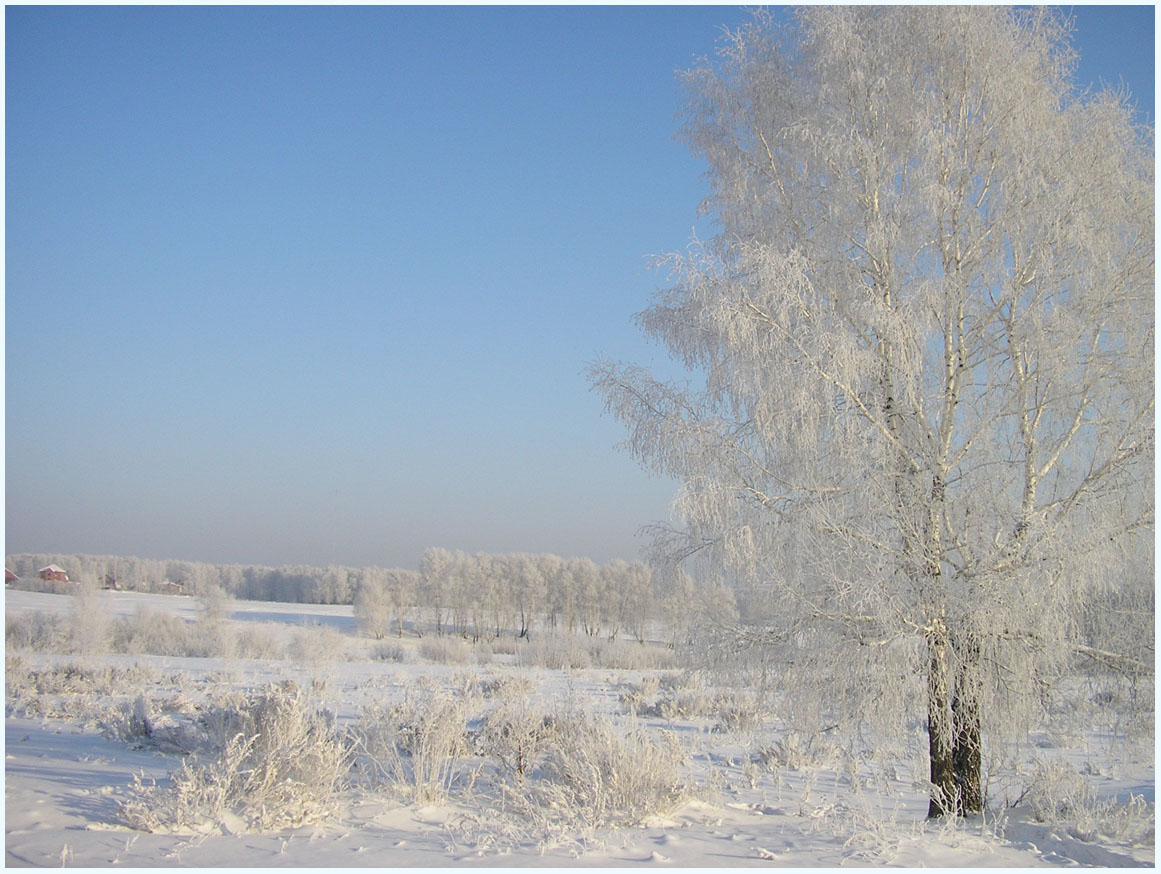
column 373, row 606
column 639, row 600
column 583, row 601
column 924, row 442
column 528, row 589
column 551, row 569
column 435, row 569
column 626, row 598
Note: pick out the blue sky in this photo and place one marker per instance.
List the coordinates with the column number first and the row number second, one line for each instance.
column 319, row 284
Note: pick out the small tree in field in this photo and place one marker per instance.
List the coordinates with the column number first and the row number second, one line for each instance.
column 924, row 445
column 374, row 607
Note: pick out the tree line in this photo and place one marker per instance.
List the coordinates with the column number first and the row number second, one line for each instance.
column 477, row 595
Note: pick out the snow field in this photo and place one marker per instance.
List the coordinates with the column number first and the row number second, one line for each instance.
column 310, row 760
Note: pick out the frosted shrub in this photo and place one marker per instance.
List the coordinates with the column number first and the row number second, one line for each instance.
column 556, row 654
column 626, row 655
column 1056, row 792
column 133, row 722
column 74, row 678
column 738, row 712
column 256, row 642
column 17, row 677
column 72, row 691
column 318, row 645
column 1058, row 795
column 688, row 699
column 504, row 687
column 594, row 776
column 638, row 699
column 445, row 650
column 389, row 652
column 413, row 747
column 39, row 632
column 272, row 762
column 504, row 646
column 211, row 638
column 795, row 752
column 88, row 622
column 150, row 632
column 516, row 735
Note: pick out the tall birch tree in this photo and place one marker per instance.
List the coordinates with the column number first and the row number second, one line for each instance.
column 926, row 330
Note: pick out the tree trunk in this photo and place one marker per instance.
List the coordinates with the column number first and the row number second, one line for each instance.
column 953, row 733
column 940, row 746
column 966, row 757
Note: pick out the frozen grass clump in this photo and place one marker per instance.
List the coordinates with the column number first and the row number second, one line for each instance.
column 318, row 645
column 388, row 652
column 556, row 654
column 83, row 630
column 501, row 685
column 445, row 650
column 592, row 775
column 71, row 690
column 1060, row 796
column 505, row 646
column 150, row 632
column 686, row 697
column 738, row 712
column 146, row 632
column 256, row 642
column 516, row 735
column 271, row 762
column 626, row 655
column 413, row 748
column 38, row 631
column 568, row 651
column 794, row 752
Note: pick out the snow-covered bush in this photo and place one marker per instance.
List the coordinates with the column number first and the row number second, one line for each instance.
column 505, row 646
column 1057, row 794
column 17, row 677
column 39, row 632
column 627, row 655
column 570, row 652
column 503, row 687
column 445, row 650
column 89, row 621
column 154, row 632
column 75, row 678
column 795, row 751
column 686, row 697
column 150, row 632
column 318, row 645
column 516, row 734
column 271, row 762
column 388, row 652
column 593, row 775
column 132, row 722
column 256, row 642
column 556, row 654
column 738, row 712
column 1056, row 791
column 72, row 690
column 413, row 747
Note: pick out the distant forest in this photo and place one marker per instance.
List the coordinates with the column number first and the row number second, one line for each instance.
column 301, row 584
column 453, row 592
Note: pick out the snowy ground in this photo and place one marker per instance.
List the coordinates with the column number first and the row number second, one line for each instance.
column 65, row 773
